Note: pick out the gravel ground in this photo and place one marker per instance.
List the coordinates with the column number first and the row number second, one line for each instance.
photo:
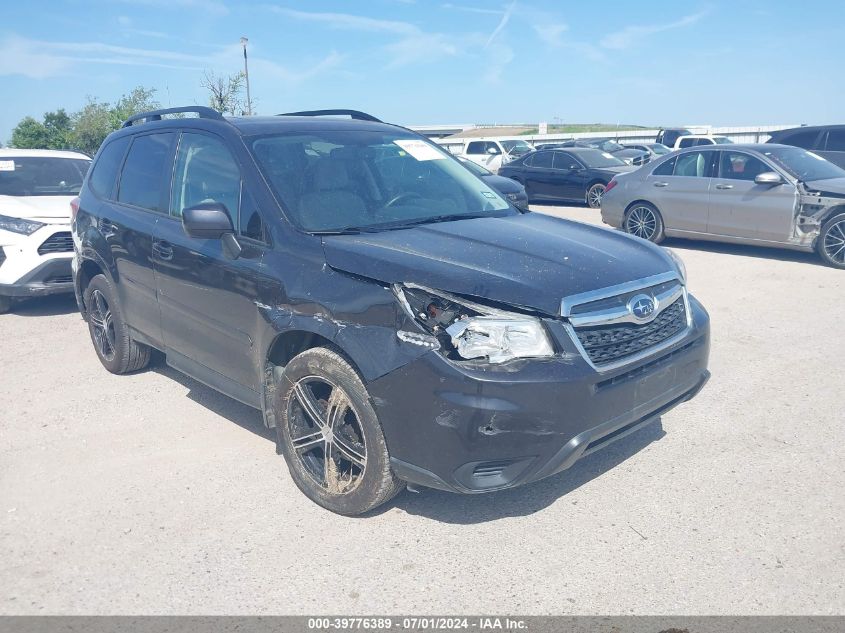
column 152, row 494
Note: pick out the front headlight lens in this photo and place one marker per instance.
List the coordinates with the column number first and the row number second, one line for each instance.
column 499, row 340
column 17, row 225
column 471, row 331
column 679, row 264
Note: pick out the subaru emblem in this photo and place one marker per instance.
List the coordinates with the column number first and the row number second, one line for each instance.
column 642, row 307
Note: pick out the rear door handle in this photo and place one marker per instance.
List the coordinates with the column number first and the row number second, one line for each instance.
column 163, row 249
column 661, row 184
column 721, row 186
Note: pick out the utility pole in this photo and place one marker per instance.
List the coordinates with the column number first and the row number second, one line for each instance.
column 246, row 75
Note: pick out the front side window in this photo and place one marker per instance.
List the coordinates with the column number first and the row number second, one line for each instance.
column 144, row 180
column 41, row 175
column 476, row 147
column 740, row 166
column 205, row 172
column 688, row 142
column 693, row 164
column 542, row 159
column 354, row 181
column 565, row 161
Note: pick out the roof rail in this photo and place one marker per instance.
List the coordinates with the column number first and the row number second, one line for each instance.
column 355, row 114
column 155, row 115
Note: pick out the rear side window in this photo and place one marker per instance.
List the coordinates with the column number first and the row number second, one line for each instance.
column 144, row 180
column 805, row 140
column 694, row 164
column 104, row 175
column 665, row 169
column 835, row 141
column 688, row 142
column 205, row 172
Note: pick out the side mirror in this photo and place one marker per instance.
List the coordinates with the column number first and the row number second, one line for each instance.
column 211, row 221
column 207, row 221
column 768, row 178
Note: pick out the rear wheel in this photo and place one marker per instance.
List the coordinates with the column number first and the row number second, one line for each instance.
column 330, row 435
column 645, row 221
column 831, row 242
column 594, row 195
column 115, row 347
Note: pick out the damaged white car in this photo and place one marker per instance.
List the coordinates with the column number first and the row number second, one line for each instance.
column 766, row 195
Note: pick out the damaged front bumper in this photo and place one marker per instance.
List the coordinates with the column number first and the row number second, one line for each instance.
column 472, row 429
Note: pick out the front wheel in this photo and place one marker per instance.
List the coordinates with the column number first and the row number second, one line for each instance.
column 330, row 435
column 594, row 195
column 644, row 221
column 831, row 242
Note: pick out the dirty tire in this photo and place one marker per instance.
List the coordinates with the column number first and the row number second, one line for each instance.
column 115, row 347
column 594, row 194
column 5, row 304
column 322, row 408
column 644, row 220
column 831, row 242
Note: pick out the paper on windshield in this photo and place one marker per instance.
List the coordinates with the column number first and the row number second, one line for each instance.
column 7, row 165
column 420, row 149
column 607, row 155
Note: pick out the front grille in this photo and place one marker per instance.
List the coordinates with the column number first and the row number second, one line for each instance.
column 609, row 343
column 57, row 243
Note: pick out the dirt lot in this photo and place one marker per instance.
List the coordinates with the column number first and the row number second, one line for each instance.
column 151, row 493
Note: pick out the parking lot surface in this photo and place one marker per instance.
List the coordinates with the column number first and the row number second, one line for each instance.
column 152, row 494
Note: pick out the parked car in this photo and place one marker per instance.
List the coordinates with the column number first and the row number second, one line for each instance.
column 762, row 194
column 668, row 136
column 576, row 174
column 828, row 141
column 36, row 187
column 654, row 150
column 392, row 316
column 494, row 153
column 694, row 140
column 512, row 190
column 625, row 154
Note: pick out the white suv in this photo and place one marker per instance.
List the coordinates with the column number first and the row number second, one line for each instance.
column 36, row 248
column 493, row 153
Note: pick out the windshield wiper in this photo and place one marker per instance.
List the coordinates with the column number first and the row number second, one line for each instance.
column 402, row 224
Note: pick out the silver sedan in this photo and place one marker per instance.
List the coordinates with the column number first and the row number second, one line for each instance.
column 767, row 195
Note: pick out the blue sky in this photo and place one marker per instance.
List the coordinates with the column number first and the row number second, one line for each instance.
column 426, row 61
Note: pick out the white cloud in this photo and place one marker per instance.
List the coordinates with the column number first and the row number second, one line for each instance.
column 632, row 34
column 506, row 16
column 20, row 56
column 348, row 21
column 460, row 7
column 209, row 7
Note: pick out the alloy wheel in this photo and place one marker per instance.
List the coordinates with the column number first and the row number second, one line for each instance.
column 594, row 196
column 102, row 325
column 327, row 435
column 641, row 222
column 834, row 242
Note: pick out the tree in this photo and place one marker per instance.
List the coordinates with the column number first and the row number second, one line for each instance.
column 224, row 92
column 97, row 119
column 55, row 132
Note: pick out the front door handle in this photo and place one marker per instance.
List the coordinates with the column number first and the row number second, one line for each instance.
column 721, row 186
column 163, row 249
column 661, row 184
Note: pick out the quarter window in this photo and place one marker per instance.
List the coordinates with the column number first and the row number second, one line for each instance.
column 143, row 178
column 740, row 166
column 205, row 172
column 105, row 170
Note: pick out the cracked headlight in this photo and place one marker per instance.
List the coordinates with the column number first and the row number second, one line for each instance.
column 679, row 265
column 499, row 339
column 469, row 331
column 17, row 225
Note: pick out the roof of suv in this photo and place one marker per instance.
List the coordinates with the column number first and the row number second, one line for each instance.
column 43, row 153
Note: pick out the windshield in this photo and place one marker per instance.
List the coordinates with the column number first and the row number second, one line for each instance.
column 803, row 165
column 351, row 181
column 659, row 149
column 475, row 168
column 516, row 148
column 722, row 140
column 41, row 175
column 594, row 158
column 606, row 145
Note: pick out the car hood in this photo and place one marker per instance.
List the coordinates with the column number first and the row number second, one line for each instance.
column 829, row 185
column 531, row 260
column 502, row 184
column 36, row 207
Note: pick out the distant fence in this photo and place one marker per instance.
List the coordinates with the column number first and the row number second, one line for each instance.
column 749, row 134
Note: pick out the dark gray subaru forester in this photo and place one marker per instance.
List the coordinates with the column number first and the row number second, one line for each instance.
column 393, row 317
